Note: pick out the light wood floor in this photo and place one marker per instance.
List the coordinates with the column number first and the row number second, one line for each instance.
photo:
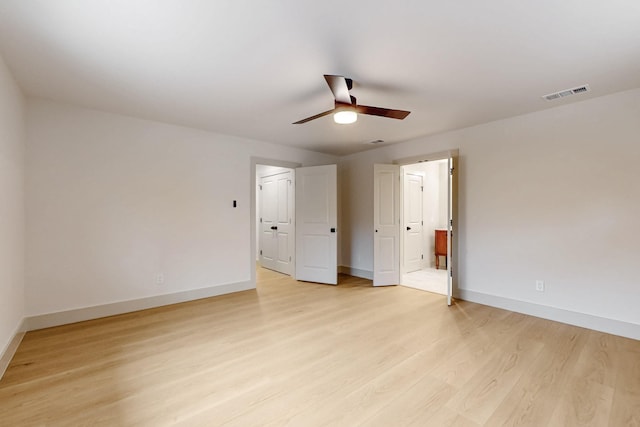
column 309, row 355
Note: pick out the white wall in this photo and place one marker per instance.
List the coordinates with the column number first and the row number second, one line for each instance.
column 112, row 201
column 11, row 208
column 551, row 195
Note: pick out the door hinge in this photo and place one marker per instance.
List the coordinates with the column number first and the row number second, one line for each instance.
column 260, row 187
column 422, row 188
column 421, row 222
column 260, row 251
column 422, row 256
column 260, row 219
column 451, row 222
column 289, row 259
column 451, row 171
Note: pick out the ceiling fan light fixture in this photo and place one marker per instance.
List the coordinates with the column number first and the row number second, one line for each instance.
column 345, row 117
column 346, row 110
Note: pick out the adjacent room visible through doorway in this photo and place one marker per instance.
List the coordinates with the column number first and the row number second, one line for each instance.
column 424, row 226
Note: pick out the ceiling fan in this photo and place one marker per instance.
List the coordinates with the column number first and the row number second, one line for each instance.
column 346, row 110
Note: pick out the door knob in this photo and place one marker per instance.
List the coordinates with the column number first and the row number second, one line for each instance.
column 333, row 230
column 408, row 228
column 273, row 227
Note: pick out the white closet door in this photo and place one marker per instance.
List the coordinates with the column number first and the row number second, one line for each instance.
column 277, row 237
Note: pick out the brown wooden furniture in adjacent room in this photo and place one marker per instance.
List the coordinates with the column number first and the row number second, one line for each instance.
column 441, row 247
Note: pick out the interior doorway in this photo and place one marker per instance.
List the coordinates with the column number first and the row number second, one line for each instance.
column 391, row 229
column 424, row 224
column 294, row 227
column 275, row 220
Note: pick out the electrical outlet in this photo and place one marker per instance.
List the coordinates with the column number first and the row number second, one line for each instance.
column 160, row 278
column 539, row 285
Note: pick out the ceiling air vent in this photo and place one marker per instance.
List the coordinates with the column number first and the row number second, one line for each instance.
column 567, row 92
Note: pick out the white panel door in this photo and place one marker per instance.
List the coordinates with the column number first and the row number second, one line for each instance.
column 413, row 243
column 277, row 238
column 452, row 205
column 268, row 213
column 316, row 224
column 386, row 222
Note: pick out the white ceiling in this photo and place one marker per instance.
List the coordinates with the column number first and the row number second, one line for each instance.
column 251, row 68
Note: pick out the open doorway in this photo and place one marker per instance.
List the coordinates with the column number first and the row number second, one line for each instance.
column 391, row 229
column 294, row 226
column 424, row 224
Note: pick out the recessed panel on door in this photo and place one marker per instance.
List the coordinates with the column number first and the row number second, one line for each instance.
column 387, row 250
column 283, row 248
column 283, row 214
column 386, row 189
column 317, row 250
column 316, row 197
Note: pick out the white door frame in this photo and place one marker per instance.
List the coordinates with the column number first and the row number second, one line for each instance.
column 254, row 161
column 452, row 261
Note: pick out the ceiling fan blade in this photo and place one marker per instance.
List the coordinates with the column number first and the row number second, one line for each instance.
column 339, row 88
column 383, row 112
column 317, row 116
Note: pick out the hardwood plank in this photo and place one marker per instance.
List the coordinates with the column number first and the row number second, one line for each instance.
column 625, row 409
column 303, row 354
column 490, row 327
column 416, row 405
column 589, row 398
column 584, row 404
column 374, row 391
column 486, row 390
column 535, row 395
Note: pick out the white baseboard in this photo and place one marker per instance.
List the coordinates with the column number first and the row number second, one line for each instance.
column 602, row 324
column 89, row 313
column 10, row 350
column 611, row 326
column 356, row 272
